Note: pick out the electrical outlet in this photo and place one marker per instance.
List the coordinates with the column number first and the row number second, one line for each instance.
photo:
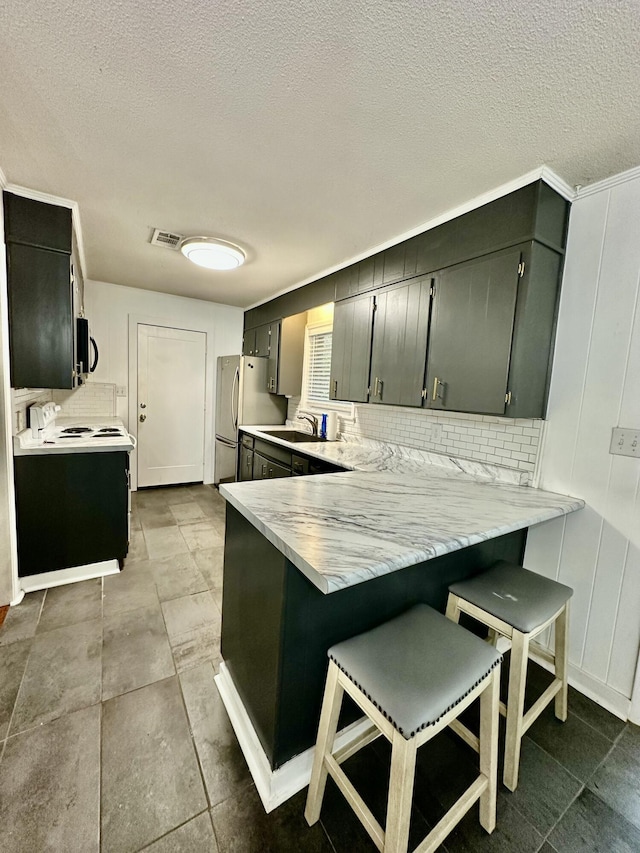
column 121, row 390
column 625, row 442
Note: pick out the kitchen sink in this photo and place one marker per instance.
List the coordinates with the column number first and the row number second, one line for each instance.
column 292, row 435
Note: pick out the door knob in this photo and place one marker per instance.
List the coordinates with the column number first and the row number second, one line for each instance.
column 143, row 418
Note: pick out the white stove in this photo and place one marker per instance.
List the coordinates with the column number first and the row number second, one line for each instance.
column 49, row 433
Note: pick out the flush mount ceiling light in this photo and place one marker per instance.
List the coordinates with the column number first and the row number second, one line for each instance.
column 212, row 253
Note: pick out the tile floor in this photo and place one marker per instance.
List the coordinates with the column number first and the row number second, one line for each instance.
column 113, row 737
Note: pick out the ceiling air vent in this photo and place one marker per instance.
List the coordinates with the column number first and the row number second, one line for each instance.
column 166, row 238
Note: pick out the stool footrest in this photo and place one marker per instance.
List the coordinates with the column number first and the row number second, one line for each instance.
column 538, row 707
column 453, row 816
column 465, row 734
column 356, row 802
column 368, row 736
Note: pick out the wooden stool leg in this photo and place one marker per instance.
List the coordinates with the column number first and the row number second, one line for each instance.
column 562, row 655
column 515, row 707
column 489, row 728
column 403, row 766
column 331, row 705
column 453, row 611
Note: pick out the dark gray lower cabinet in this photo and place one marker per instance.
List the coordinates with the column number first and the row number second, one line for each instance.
column 351, row 349
column 245, row 469
column 71, row 510
column 471, row 332
column 267, row 469
column 277, row 625
column 399, row 351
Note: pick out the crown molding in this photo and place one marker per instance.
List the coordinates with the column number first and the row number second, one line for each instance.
column 48, row 198
column 542, row 172
column 609, row 183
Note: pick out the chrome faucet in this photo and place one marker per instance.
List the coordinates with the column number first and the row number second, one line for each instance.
column 312, row 420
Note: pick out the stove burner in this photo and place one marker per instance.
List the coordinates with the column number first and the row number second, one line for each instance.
column 106, row 434
column 75, row 431
column 108, row 431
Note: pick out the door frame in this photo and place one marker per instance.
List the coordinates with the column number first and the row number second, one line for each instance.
column 146, row 320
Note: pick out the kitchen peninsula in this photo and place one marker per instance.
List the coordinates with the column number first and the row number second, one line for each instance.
column 310, row 561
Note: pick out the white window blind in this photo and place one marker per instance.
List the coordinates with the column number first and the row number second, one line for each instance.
column 319, row 367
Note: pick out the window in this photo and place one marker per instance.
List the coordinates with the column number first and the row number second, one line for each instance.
column 316, row 376
column 319, row 364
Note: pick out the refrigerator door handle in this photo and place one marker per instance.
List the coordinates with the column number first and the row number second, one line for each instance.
column 226, row 441
column 234, row 397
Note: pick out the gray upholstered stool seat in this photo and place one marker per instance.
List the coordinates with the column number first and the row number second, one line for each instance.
column 412, row 677
column 515, row 595
column 416, row 667
column 518, row 604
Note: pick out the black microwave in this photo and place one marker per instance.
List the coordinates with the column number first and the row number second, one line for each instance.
column 86, row 350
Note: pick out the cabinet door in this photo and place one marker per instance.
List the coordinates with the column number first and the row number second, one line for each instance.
column 399, row 351
column 273, row 350
column 262, row 341
column 245, row 471
column 266, row 469
column 86, row 522
column 471, row 332
column 249, row 342
column 351, row 349
column 41, row 325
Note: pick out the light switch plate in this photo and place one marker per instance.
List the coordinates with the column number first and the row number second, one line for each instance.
column 625, row 442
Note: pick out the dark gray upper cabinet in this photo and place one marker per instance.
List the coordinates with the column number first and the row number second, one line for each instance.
column 535, row 212
column 399, row 351
column 533, row 333
column 40, row 292
column 249, row 342
column 286, row 353
column 351, row 349
column 471, row 331
column 256, row 341
column 262, row 341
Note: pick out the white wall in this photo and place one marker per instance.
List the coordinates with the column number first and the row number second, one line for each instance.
column 109, row 307
column 596, row 386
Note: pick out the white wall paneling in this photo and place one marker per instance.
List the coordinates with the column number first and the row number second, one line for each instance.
column 596, row 386
column 112, row 309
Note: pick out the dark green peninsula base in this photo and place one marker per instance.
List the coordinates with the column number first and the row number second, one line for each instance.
column 277, row 626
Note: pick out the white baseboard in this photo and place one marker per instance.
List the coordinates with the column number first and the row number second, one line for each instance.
column 274, row 786
column 601, row 693
column 46, row 580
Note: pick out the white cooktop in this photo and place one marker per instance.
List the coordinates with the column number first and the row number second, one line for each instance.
column 55, row 437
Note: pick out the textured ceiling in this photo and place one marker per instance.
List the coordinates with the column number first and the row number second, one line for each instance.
column 308, row 132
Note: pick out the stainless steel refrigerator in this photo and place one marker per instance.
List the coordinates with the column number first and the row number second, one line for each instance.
column 241, row 398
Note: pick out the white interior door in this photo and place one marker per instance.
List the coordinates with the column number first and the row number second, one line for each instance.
column 171, row 405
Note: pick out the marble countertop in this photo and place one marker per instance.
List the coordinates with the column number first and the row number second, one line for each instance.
column 394, row 509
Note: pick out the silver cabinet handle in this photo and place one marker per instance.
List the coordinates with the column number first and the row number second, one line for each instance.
column 335, row 388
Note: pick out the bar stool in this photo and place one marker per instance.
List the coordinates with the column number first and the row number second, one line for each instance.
column 518, row 604
column 411, row 676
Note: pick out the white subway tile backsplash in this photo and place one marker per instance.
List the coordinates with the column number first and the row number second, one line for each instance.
column 485, row 438
column 95, row 399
